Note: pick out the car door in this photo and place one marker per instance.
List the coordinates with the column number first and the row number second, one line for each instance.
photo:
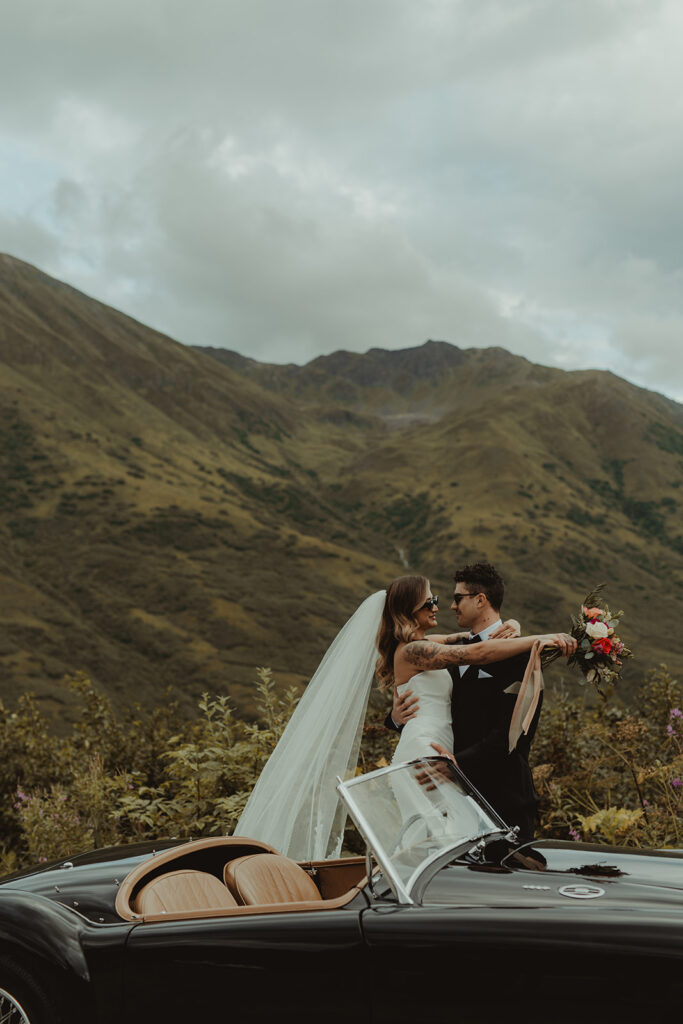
column 300, row 965
column 477, row 965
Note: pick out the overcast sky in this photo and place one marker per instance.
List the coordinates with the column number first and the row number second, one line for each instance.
column 290, row 177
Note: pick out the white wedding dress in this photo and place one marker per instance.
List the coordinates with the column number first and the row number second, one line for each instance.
column 432, row 724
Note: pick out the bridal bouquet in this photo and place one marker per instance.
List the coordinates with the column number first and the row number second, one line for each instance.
column 600, row 652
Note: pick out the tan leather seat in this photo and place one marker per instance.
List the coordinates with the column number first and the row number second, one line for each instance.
column 262, row 878
column 183, row 890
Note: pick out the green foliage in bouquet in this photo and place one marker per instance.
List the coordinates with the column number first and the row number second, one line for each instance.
column 600, row 653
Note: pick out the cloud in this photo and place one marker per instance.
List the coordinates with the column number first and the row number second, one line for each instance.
column 290, row 179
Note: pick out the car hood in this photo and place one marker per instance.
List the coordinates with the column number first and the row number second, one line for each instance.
column 553, row 873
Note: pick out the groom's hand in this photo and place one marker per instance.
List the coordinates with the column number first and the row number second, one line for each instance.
column 404, row 707
column 427, row 778
column 442, row 752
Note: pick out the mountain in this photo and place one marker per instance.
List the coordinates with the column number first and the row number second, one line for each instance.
column 399, row 387
column 173, row 517
column 564, row 478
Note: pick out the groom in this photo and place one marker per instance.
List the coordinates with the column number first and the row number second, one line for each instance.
column 482, row 703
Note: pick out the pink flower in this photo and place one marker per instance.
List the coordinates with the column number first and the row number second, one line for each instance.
column 592, row 613
column 576, row 836
column 675, row 713
column 677, row 783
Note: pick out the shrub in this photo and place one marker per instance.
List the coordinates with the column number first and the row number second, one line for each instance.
column 134, row 776
column 606, row 772
column 610, row 773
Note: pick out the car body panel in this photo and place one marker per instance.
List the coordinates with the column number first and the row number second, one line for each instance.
column 547, row 931
column 641, row 886
column 262, row 967
column 533, row 964
column 87, row 882
column 43, row 929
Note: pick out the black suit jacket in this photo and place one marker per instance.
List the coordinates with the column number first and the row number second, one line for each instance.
column 481, row 713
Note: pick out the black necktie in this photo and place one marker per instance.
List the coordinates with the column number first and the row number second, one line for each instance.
column 471, row 673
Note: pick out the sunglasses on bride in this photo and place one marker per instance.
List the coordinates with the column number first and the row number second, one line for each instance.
column 432, row 603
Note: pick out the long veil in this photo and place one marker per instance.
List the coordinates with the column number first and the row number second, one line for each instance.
column 294, row 806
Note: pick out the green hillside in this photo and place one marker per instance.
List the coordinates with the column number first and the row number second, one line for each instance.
column 173, row 517
column 564, row 479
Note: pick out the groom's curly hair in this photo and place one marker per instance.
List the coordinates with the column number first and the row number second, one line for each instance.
column 398, row 624
column 487, row 578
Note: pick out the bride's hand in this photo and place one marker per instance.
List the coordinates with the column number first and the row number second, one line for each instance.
column 510, row 628
column 564, row 641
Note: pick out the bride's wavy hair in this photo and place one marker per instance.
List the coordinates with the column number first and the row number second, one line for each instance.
column 398, row 624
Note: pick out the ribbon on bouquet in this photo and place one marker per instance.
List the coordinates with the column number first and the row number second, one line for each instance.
column 527, row 698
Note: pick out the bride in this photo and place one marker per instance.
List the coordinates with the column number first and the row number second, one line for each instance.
column 294, row 805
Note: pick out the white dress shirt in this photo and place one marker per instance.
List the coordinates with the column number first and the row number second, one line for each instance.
column 483, row 635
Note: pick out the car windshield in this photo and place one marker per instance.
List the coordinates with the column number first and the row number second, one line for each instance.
column 413, row 815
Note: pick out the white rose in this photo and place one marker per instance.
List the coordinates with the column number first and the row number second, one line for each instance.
column 595, row 630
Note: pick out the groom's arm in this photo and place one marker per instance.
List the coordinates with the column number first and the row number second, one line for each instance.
column 404, row 708
column 389, row 723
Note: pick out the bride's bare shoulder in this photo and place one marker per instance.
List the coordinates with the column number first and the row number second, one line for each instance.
column 404, row 668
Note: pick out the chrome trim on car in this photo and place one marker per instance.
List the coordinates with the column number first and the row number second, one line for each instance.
column 581, row 892
column 373, row 843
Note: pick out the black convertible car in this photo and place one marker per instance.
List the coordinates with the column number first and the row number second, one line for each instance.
column 446, row 919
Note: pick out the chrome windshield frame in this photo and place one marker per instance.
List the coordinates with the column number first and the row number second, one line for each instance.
column 370, row 837
column 411, row 891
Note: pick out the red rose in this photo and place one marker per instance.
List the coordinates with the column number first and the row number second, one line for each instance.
column 603, row 645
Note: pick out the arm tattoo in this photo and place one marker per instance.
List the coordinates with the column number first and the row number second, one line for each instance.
column 425, row 654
